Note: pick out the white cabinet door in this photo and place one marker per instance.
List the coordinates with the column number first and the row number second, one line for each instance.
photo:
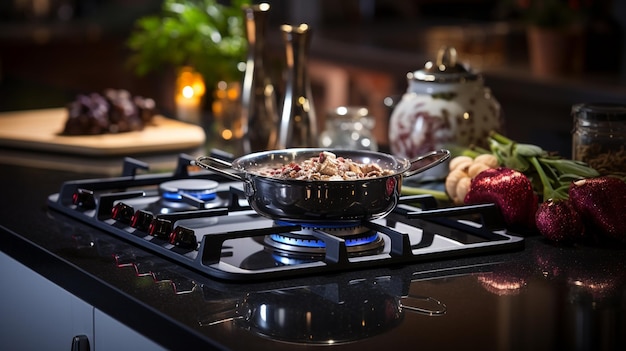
column 36, row 313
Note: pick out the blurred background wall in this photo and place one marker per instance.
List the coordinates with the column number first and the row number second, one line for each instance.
column 51, row 50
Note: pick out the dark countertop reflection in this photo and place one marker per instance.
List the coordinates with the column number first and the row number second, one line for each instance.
column 543, row 297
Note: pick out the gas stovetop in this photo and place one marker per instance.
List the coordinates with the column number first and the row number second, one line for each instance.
column 202, row 221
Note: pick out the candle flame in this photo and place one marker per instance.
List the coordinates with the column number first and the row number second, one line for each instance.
column 190, row 83
column 188, row 92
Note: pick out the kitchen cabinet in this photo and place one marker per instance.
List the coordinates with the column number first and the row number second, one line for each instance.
column 40, row 315
column 110, row 334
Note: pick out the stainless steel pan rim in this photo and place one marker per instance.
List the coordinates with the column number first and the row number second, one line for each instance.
column 298, row 200
column 248, row 163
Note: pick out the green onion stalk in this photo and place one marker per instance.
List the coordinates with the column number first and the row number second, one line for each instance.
column 550, row 174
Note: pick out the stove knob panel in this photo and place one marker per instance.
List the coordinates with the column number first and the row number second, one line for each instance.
column 84, row 198
column 141, row 220
column 160, row 228
column 122, row 212
column 184, row 238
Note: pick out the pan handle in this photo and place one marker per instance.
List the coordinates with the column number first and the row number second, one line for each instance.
column 432, row 306
column 427, row 161
column 216, row 165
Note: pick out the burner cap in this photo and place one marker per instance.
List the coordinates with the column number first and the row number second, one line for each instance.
column 310, row 241
column 358, row 238
column 201, row 189
column 350, row 227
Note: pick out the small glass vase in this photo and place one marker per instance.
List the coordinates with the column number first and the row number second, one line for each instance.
column 298, row 124
column 349, row 128
column 227, row 124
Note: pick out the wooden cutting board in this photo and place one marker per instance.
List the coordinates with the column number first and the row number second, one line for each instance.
column 40, row 130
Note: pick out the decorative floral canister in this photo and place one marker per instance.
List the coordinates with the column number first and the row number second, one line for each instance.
column 446, row 106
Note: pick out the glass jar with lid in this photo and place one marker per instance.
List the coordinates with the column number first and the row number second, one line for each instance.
column 349, row 127
column 599, row 136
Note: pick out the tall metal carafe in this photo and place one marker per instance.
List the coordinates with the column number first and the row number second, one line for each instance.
column 298, row 124
column 258, row 99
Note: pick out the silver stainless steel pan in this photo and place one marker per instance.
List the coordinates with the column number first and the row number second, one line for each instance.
column 321, row 200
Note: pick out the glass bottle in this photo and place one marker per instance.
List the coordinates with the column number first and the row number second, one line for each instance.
column 258, row 99
column 599, row 137
column 298, row 124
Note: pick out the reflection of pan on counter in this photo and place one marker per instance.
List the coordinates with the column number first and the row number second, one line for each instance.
column 322, row 200
column 324, row 313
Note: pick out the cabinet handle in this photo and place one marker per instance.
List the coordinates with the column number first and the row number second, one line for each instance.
column 80, row 343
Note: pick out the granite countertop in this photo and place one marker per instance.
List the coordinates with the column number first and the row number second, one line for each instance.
column 541, row 297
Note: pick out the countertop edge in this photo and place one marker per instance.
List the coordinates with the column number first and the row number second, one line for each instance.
column 130, row 311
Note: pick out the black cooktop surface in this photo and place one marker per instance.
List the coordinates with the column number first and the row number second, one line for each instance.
column 203, row 222
column 490, row 300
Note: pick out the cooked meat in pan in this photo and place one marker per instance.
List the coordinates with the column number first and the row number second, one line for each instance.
column 326, row 166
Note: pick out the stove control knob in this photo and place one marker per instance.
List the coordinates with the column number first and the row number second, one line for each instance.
column 184, row 238
column 160, row 228
column 84, row 198
column 80, row 343
column 141, row 220
column 122, row 212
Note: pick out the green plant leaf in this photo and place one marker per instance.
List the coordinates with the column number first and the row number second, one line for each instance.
column 191, row 32
column 528, row 150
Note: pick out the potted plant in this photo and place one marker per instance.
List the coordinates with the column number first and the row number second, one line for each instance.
column 556, row 14
column 202, row 35
column 555, row 32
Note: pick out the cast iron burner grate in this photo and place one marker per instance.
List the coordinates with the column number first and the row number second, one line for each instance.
column 230, row 241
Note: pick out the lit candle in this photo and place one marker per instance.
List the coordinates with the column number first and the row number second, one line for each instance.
column 189, row 92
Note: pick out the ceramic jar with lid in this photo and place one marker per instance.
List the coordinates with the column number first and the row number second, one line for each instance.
column 446, row 106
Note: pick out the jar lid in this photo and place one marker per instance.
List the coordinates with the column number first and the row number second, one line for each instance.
column 601, row 112
column 445, row 70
